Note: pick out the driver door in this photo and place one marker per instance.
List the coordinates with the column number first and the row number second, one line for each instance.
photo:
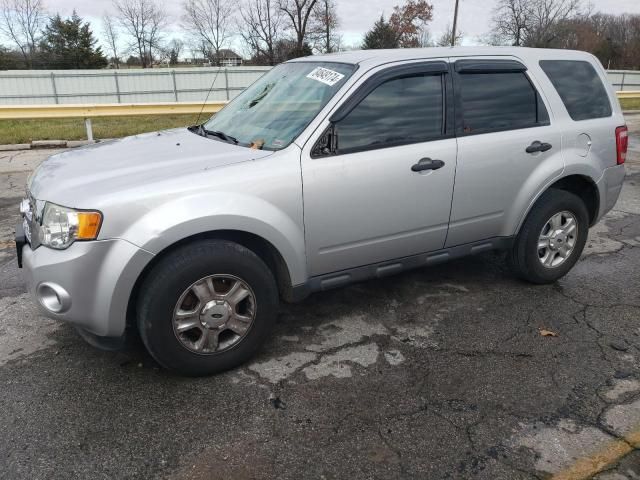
column 381, row 188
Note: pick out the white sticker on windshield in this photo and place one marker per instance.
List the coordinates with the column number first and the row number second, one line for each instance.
column 325, row 75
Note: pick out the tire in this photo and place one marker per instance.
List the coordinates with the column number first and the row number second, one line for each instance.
column 188, row 275
column 526, row 258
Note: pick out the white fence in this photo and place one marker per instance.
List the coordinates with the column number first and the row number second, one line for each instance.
column 624, row 79
column 39, row 87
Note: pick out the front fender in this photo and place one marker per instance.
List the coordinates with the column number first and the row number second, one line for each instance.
column 186, row 216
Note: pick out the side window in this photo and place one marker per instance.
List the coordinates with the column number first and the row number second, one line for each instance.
column 400, row 111
column 579, row 87
column 496, row 101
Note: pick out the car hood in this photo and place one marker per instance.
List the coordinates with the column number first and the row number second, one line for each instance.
column 71, row 178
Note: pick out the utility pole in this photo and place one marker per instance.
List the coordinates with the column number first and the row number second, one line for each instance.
column 455, row 23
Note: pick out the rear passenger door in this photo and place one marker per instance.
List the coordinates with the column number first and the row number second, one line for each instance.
column 507, row 147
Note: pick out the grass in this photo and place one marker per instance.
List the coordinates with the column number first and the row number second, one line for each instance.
column 630, row 103
column 24, row 131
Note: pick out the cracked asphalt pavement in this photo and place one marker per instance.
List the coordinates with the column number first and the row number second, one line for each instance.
column 440, row 373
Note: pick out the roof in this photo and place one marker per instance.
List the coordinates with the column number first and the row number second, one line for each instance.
column 226, row 53
column 378, row 57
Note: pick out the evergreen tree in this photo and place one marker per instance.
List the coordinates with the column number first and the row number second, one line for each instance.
column 70, row 44
column 382, row 35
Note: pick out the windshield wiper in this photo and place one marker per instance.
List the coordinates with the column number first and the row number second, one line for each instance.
column 216, row 133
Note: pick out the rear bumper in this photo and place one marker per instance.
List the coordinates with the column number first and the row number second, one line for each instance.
column 91, row 281
column 609, row 187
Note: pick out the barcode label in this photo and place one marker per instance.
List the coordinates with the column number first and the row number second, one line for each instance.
column 326, row 76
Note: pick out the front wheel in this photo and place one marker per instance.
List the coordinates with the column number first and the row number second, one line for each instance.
column 551, row 239
column 207, row 307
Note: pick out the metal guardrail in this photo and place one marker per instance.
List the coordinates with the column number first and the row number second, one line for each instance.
column 13, row 112
column 17, row 112
column 629, row 94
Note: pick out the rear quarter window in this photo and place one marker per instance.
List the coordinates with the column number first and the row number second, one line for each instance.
column 579, row 87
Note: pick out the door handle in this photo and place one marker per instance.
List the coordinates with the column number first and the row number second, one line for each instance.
column 427, row 164
column 538, row 146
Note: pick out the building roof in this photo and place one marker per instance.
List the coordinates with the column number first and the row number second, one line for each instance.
column 226, row 53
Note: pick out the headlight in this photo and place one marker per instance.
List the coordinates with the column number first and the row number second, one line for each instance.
column 61, row 226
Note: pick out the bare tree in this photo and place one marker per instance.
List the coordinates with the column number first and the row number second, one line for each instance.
column 510, row 21
column 446, row 39
column 547, row 16
column 614, row 39
column 261, row 28
column 198, row 50
column 111, row 35
column 533, row 23
column 425, row 38
column 298, row 13
column 210, row 21
column 175, row 49
column 325, row 20
column 143, row 21
column 21, row 21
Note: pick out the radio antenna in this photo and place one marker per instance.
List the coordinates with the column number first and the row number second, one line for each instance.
column 207, row 97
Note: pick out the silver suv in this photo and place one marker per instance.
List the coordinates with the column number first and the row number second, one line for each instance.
column 326, row 171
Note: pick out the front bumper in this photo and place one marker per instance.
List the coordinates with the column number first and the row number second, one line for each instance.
column 97, row 276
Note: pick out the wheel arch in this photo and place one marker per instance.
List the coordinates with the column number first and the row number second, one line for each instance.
column 257, row 244
column 584, row 187
column 580, row 185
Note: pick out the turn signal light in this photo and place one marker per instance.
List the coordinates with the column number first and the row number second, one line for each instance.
column 88, row 225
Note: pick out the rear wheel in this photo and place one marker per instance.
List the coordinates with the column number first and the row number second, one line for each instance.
column 207, row 307
column 552, row 237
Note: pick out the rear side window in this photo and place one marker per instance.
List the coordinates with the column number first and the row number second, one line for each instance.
column 496, row 101
column 579, row 87
column 400, row 111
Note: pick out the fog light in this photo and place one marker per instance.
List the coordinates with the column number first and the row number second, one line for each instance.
column 53, row 297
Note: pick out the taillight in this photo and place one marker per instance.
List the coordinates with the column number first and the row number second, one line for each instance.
column 622, row 142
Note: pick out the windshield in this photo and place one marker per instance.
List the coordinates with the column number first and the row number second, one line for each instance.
column 273, row 111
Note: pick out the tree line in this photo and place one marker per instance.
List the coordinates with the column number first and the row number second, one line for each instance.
column 570, row 24
column 614, row 39
column 137, row 33
column 273, row 31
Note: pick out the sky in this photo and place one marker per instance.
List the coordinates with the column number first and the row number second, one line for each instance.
column 357, row 16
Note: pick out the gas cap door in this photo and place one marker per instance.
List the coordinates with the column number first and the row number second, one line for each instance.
column 583, row 144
